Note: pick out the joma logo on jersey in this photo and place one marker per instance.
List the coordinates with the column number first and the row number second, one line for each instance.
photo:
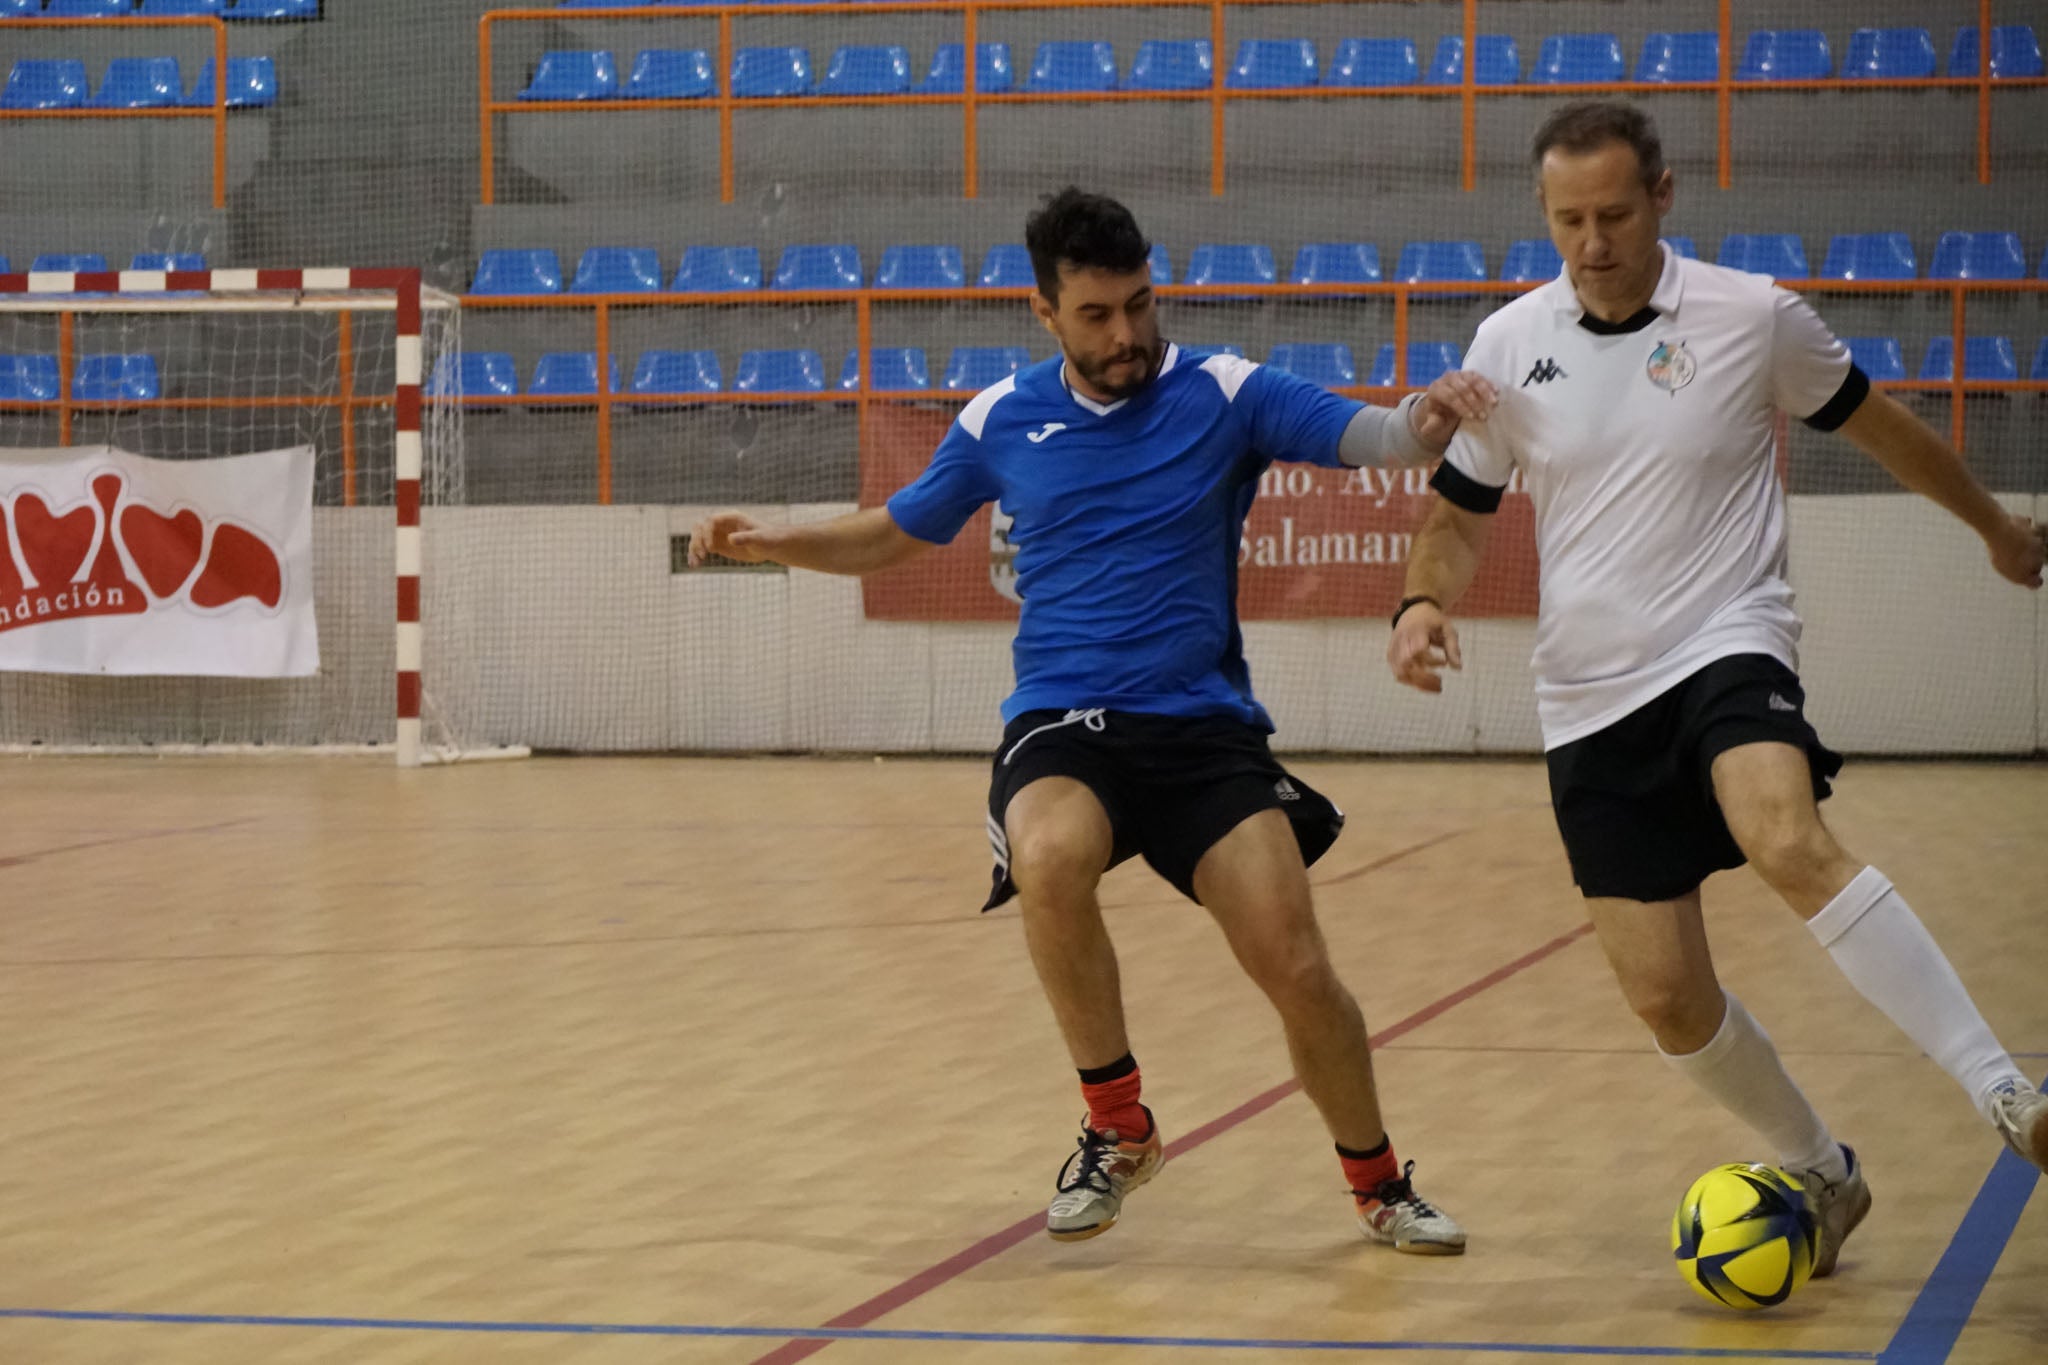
column 1543, row 371
column 1035, row 437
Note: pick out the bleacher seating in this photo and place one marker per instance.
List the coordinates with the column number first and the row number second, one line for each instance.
column 182, row 7
column 569, row 374
column 1440, row 261
column 1683, row 246
column 1778, row 254
column 833, row 265
column 780, row 371
column 1989, row 358
column 1170, row 64
column 718, row 270
column 1870, row 256
column 1273, row 64
column 866, row 71
column 73, row 262
column 2040, row 369
column 1006, row 266
column 88, row 9
column 770, row 72
column 168, row 260
column 2015, row 53
column 1499, row 63
column 45, row 83
column 252, row 84
column 1161, row 264
column 1231, row 263
column 115, row 378
column 1532, row 258
column 1978, row 256
column 1578, row 58
column 274, row 9
column 670, row 74
column 1675, row 57
column 617, row 270
column 480, row 374
column 29, row 378
column 1786, row 55
column 973, row 368
column 1426, row 360
column 526, row 271
column 676, row 372
column 1375, row 62
column 1337, row 263
column 573, row 76
column 1328, row 363
column 1070, row 66
column 1889, row 54
column 140, row 83
column 948, row 72
column 890, row 369
column 1878, row 357
column 921, row 267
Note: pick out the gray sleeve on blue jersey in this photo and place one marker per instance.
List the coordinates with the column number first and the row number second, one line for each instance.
column 1384, row 437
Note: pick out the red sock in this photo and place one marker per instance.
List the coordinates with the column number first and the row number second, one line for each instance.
column 1112, row 1095
column 1367, row 1171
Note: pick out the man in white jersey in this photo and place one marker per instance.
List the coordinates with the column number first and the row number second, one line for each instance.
column 1127, row 465
column 1638, row 395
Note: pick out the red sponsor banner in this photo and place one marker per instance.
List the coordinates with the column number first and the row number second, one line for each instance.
column 1318, row 542
column 115, row 563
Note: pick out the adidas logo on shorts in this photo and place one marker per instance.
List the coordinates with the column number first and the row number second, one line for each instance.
column 1778, row 703
column 1287, row 790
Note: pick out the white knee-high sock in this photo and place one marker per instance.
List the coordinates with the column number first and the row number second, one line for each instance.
column 1740, row 1068
column 1888, row 955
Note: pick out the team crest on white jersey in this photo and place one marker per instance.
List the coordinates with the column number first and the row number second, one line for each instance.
column 1671, row 366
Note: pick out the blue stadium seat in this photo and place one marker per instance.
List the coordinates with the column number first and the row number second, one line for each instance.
column 168, row 260
column 274, row 9
column 115, row 378
column 780, row 372
column 1578, row 59
column 183, row 7
column 770, row 72
column 618, row 270
column 1870, row 256
column 1676, row 57
column 522, row 270
column 1441, row 261
column 834, row 265
column 567, row 374
column 1273, row 64
column 1978, row 256
column 671, row 74
column 1231, row 263
column 1007, row 266
column 20, row 9
column 1374, row 62
column 977, row 367
column 921, row 267
column 948, row 73
column 676, row 372
column 1161, row 265
column 1889, row 54
column 1532, row 258
column 718, row 270
column 620, row 4
column 2040, row 370
column 1983, row 358
column 1499, row 63
column 2042, row 272
column 1337, row 263
column 1786, row 55
column 28, row 378
column 88, row 9
column 141, row 83
column 1327, row 363
column 44, row 84
column 252, row 84
column 1073, row 66
column 1778, row 254
column 890, row 369
column 5, row 268
column 867, row 71
column 1173, row 64
column 1683, row 246
column 73, row 262
column 1216, row 348
column 574, row 76
column 475, row 374
column 1426, row 360
column 1878, row 357
column 2015, row 53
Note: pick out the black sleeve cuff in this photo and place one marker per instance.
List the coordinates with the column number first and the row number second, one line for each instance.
column 1855, row 388
column 1462, row 490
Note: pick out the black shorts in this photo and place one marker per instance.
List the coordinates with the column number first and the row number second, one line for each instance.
column 1172, row 785
column 1635, row 801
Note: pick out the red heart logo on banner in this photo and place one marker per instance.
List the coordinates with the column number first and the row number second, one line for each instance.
column 53, row 546
column 165, row 549
column 239, row 565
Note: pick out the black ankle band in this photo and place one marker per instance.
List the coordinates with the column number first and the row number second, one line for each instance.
column 1386, row 1145
column 1115, row 1071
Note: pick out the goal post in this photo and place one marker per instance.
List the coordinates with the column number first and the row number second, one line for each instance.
column 186, row 365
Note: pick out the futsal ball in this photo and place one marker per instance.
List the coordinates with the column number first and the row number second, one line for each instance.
column 1744, row 1236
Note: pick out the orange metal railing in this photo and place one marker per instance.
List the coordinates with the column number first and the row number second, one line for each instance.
column 1219, row 95
column 864, row 301
column 218, row 113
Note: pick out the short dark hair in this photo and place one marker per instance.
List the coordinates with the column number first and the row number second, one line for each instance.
column 1092, row 231
column 1588, row 125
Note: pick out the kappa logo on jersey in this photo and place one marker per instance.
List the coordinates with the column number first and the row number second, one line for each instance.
column 1543, row 371
column 1035, row 437
column 1671, row 366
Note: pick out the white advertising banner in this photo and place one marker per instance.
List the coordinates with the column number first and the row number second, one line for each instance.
column 116, row 563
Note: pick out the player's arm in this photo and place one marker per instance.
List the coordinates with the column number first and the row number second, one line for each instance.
column 858, row 543
column 1917, row 457
column 1419, row 428
column 1441, row 565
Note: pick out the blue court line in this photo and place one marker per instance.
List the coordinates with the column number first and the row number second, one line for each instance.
column 1944, row 1305
column 627, row 1329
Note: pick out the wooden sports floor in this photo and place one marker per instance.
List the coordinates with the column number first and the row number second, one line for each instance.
column 607, row 1062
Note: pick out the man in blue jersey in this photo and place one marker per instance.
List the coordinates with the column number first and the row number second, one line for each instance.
column 1127, row 467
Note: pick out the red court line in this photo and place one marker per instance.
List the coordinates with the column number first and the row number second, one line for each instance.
column 993, row 1245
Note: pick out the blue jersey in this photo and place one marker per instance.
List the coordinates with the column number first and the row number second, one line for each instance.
column 1126, row 522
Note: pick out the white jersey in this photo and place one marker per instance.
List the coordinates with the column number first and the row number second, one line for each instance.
column 1647, row 450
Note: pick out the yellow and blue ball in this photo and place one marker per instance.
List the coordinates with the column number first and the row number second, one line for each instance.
column 1744, row 1236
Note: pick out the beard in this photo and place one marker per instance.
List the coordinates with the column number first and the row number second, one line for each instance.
column 1096, row 373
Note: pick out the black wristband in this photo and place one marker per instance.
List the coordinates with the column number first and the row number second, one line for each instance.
column 1408, row 602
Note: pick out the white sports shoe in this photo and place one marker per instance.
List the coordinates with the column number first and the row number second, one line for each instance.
column 1093, row 1183
column 1838, row 1207
column 2021, row 1113
column 1394, row 1215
